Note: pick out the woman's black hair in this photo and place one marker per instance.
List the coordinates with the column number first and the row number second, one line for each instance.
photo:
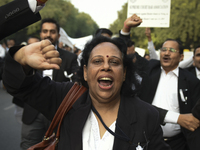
column 127, row 62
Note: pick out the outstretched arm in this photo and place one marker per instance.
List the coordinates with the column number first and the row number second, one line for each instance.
column 41, row 55
column 21, row 82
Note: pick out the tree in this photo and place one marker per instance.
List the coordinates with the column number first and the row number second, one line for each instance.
column 3, row 2
column 68, row 17
column 85, row 25
column 119, row 22
column 184, row 25
column 74, row 23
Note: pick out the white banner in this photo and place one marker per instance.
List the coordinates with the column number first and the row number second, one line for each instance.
column 154, row 13
column 78, row 42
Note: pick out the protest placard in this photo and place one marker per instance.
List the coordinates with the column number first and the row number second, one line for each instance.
column 154, row 13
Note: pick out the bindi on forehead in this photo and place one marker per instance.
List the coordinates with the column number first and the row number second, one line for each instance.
column 107, row 55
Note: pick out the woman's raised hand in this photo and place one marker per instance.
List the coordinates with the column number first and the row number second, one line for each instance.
column 40, row 55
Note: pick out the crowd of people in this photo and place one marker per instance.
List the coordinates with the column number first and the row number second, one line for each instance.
column 131, row 102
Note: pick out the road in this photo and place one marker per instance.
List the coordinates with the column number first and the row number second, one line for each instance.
column 9, row 127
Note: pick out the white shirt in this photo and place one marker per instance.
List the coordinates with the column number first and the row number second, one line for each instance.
column 33, row 6
column 2, row 52
column 152, row 51
column 91, row 135
column 197, row 73
column 48, row 73
column 166, row 97
column 79, row 58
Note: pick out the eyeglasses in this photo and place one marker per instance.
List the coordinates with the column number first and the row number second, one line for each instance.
column 164, row 49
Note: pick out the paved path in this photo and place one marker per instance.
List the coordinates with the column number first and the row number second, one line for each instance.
column 9, row 128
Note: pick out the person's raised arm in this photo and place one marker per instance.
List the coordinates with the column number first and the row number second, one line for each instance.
column 151, row 48
column 130, row 22
column 148, row 34
column 40, row 55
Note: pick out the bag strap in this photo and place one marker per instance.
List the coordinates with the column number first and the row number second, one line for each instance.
column 57, row 117
column 69, row 105
column 64, row 107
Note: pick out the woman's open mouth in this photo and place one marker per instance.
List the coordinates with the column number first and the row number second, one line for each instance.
column 105, row 82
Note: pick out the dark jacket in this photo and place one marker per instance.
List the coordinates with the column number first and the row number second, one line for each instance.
column 190, row 86
column 138, row 120
column 192, row 70
column 185, row 81
column 196, row 109
column 69, row 64
column 15, row 16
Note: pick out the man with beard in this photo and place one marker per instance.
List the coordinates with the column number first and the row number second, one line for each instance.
column 34, row 123
column 50, row 30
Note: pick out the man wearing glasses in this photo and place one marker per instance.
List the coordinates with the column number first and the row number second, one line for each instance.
column 173, row 91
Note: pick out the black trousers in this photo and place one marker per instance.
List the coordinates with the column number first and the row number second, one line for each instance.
column 177, row 142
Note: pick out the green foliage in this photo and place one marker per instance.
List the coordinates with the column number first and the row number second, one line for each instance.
column 3, row 2
column 118, row 24
column 74, row 23
column 85, row 25
column 184, row 25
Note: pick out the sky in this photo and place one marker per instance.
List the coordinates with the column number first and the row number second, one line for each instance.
column 103, row 12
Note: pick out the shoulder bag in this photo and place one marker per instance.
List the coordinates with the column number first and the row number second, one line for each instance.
column 50, row 139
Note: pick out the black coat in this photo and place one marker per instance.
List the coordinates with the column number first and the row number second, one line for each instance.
column 15, row 16
column 196, row 109
column 192, row 70
column 186, row 80
column 135, row 117
column 69, row 64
